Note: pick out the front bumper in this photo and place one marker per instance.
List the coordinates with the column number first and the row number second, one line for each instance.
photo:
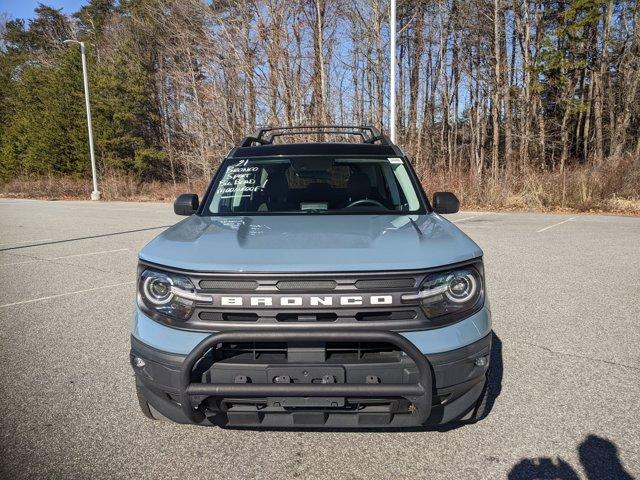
column 437, row 340
column 408, row 390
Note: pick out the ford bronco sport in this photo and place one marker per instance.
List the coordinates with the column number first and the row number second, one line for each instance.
column 313, row 286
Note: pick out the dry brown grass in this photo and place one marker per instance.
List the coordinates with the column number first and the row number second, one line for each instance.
column 113, row 186
column 613, row 187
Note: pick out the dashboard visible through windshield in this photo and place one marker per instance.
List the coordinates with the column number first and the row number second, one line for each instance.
column 314, row 185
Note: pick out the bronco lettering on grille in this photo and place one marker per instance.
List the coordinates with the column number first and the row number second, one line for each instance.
column 308, row 301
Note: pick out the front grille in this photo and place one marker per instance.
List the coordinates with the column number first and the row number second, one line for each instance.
column 228, row 284
column 312, row 283
column 342, row 300
column 307, row 316
column 319, row 285
column 386, row 283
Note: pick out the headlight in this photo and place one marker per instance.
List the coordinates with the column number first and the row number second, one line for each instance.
column 167, row 293
column 450, row 292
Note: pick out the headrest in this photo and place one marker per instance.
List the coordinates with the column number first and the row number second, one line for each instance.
column 359, row 185
column 276, row 186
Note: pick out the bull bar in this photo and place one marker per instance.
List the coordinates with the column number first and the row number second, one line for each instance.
column 419, row 394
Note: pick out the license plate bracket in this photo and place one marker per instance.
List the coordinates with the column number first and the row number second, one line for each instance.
column 302, row 374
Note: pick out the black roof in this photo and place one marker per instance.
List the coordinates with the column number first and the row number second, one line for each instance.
column 315, row 148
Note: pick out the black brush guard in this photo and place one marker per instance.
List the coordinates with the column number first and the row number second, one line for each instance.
column 419, row 394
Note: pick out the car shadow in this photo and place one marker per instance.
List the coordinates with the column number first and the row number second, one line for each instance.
column 598, row 457
column 494, row 388
column 494, row 382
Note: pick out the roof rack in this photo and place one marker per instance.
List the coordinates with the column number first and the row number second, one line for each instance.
column 266, row 135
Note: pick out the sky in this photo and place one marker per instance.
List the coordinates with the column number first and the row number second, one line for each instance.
column 24, row 8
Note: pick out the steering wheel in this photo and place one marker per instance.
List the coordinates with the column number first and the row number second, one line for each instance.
column 365, row 201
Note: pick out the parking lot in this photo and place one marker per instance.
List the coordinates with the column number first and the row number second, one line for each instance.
column 565, row 391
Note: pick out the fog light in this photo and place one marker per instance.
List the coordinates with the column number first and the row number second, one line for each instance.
column 480, row 362
column 138, row 362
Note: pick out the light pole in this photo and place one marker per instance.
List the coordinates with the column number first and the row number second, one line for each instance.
column 95, row 195
column 392, row 70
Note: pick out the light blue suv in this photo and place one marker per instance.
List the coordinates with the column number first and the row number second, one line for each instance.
column 313, row 286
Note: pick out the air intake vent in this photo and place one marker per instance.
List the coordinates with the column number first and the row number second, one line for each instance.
column 229, row 316
column 378, row 316
column 268, row 351
column 277, row 352
column 228, row 285
column 306, row 317
column 358, row 351
column 306, row 285
column 386, row 283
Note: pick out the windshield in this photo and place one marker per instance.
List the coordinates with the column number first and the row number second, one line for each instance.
column 314, row 185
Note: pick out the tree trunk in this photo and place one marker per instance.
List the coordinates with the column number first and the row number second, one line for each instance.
column 523, row 26
column 414, row 78
column 586, row 131
column 508, row 121
column 319, row 81
column 495, row 106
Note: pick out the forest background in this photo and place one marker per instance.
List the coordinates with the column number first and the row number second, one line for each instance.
column 512, row 104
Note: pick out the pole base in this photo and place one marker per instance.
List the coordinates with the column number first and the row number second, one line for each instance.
column 95, row 195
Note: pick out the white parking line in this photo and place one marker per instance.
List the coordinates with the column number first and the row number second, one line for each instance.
column 65, row 294
column 556, row 224
column 26, row 241
column 24, row 201
column 90, row 253
column 64, row 256
column 144, row 207
column 467, row 218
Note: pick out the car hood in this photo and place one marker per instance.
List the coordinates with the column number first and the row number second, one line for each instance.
column 310, row 243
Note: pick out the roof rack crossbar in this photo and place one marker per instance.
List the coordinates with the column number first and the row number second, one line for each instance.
column 266, row 135
column 310, row 132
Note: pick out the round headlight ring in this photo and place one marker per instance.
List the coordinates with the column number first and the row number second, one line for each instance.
column 157, row 289
column 461, row 288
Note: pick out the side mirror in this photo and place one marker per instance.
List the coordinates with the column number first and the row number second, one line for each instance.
column 186, row 204
column 445, row 202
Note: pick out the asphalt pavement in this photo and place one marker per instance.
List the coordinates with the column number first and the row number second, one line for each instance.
column 565, row 390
